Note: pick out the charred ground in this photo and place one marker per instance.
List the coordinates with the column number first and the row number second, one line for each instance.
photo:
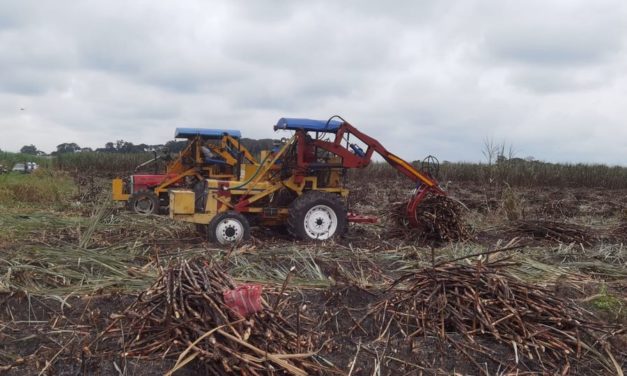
column 67, row 271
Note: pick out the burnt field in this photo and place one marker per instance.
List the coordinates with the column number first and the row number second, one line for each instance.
column 536, row 284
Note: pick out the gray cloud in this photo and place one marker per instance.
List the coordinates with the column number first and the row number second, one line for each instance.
column 556, row 33
column 434, row 77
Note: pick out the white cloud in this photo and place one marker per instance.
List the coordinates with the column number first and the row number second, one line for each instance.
column 428, row 77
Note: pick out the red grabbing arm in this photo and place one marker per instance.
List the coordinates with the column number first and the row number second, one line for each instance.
column 352, row 160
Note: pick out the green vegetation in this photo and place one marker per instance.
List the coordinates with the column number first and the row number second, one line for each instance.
column 85, row 163
column 42, row 188
column 100, row 164
column 514, row 172
column 609, row 303
column 9, row 159
column 30, row 149
column 521, row 173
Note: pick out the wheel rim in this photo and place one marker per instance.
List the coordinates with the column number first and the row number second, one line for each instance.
column 229, row 230
column 144, row 205
column 320, row 222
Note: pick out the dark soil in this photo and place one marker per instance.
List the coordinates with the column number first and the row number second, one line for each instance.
column 59, row 334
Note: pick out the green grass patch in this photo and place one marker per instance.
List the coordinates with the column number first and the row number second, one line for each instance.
column 41, row 188
column 609, row 304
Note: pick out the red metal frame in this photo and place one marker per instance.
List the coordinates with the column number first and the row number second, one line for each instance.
column 410, row 211
column 149, row 181
column 357, row 218
column 425, row 183
column 352, row 160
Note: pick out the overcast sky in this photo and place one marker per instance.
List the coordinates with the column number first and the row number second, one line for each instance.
column 424, row 77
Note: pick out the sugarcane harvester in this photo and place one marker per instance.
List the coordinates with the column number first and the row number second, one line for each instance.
column 215, row 153
column 299, row 185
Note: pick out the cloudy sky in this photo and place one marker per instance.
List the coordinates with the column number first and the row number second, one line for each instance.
column 424, row 77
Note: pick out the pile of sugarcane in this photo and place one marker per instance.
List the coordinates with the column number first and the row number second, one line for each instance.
column 184, row 315
column 619, row 233
column 439, row 218
column 469, row 307
column 559, row 208
column 558, row 231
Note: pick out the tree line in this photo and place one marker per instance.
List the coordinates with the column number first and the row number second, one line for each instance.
column 121, row 146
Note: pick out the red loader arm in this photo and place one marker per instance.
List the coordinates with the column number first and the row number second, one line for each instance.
column 357, row 157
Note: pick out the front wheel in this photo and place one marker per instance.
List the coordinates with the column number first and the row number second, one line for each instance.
column 317, row 216
column 228, row 228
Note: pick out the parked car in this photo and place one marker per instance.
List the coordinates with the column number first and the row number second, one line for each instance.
column 26, row 167
column 19, row 167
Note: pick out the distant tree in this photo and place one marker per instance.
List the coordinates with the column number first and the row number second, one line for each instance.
column 155, row 147
column 141, row 148
column 86, row 150
column 175, row 146
column 122, row 146
column 29, row 149
column 256, row 146
column 67, row 148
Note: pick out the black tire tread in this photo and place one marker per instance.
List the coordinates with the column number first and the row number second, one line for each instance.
column 153, row 196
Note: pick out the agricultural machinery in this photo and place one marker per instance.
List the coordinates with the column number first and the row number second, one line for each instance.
column 300, row 186
column 209, row 153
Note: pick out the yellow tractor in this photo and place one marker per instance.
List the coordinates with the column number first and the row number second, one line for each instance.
column 298, row 185
column 209, row 153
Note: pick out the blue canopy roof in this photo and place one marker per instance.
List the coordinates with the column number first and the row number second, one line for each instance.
column 308, row 125
column 205, row 133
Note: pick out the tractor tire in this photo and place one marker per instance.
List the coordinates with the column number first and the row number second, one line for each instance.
column 317, row 215
column 228, row 228
column 144, row 203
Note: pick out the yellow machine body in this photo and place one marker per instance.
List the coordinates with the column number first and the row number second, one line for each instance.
column 117, row 190
column 299, row 186
column 254, row 194
column 182, row 202
column 189, row 167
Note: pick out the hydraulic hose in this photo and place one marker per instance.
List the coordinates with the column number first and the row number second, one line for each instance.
column 252, row 177
column 333, row 117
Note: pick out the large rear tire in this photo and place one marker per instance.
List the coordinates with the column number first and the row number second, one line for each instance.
column 144, row 203
column 317, row 215
column 228, row 228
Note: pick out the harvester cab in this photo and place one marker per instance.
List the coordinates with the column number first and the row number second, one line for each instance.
column 299, row 185
column 215, row 153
